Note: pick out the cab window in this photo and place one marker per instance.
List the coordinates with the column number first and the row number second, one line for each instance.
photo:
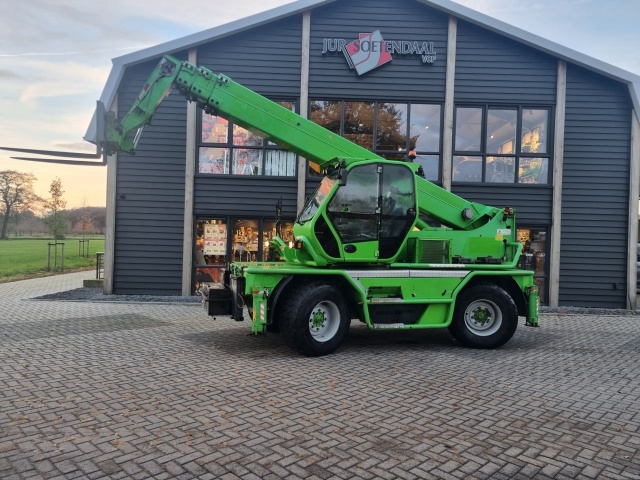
column 353, row 208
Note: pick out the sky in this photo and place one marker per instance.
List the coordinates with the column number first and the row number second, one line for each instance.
column 55, row 57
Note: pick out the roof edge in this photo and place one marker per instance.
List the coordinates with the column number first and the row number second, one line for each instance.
column 542, row 44
column 447, row 6
column 183, row 43
column 220, row 31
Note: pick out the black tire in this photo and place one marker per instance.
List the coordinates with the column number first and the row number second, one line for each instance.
column 273, row 327
column 314, row 319
column 485, row 316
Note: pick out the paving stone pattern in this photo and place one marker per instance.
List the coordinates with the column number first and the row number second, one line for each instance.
column 125, row 390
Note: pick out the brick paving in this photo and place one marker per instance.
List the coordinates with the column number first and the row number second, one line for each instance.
column 141, row 391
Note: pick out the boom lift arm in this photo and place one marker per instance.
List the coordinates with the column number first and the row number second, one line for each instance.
column 217, row 94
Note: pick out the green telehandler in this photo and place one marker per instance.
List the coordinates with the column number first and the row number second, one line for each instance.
column 375, row 242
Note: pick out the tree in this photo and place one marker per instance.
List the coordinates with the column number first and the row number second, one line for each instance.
column 16, row 196
column 392, row 127
column 87, row 220
column 16, row 217
column 55, row 218
column 99, row 219
column 84, row 222
column 29, row 223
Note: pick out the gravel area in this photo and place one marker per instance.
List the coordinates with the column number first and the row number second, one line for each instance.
column 89, row 294
column 94, row 294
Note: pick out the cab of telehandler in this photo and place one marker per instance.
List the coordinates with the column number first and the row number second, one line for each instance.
column 361, row 215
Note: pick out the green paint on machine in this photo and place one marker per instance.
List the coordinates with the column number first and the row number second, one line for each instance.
column 376, row 241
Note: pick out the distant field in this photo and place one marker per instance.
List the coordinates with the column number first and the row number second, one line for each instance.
column 24, row 258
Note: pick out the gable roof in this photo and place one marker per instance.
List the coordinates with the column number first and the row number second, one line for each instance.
column 446, row 6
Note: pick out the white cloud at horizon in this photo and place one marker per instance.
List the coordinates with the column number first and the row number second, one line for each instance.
column 61, row 79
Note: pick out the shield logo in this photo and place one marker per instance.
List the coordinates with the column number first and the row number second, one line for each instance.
column 367, row 53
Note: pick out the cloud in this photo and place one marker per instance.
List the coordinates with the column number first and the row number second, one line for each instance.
column 591, row 27
column 9, row 75
column 46, row 126
column 70, row 79
column 33, row 79
column 195, row 15
column 67, row 54
column 78, row 27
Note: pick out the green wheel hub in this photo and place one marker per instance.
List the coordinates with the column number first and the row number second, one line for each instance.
column 317, row 319
column 481, row 315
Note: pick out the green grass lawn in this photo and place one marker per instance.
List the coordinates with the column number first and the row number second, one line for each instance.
column 27, row 257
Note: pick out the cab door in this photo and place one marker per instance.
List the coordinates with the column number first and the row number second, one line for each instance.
column 373, row 212
column 398, row 210
column 354, row 214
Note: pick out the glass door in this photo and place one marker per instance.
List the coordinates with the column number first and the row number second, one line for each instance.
column 534, row 257
column 220, row 240
column 210, row 251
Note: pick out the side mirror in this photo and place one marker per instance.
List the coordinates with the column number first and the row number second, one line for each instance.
column 342, row 177
column 342, row 174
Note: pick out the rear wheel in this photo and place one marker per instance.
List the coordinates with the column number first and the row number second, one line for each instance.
column 314, row 319
column 273, row 327
column 485, row 316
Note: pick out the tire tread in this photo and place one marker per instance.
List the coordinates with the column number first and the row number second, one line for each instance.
column 294, row 325
column 502, row 299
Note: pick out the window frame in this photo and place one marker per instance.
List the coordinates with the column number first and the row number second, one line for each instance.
column 401, row 155
column 232, row 148
column 215, row 267
column 518, row 154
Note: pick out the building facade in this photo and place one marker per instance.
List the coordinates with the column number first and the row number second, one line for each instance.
column 493, row 113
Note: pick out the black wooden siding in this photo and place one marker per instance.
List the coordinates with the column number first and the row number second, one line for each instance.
column 492, row 68
column 404, row 78
column 150, row 197
column 595, row 191
column 489, row 70
column 265, row 59
column 236, row 196
column 533, row 204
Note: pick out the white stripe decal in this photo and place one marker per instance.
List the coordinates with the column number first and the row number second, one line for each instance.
column 407, row 273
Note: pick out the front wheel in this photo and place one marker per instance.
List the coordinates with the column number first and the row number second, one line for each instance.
column 485, row 316
column 314, row 319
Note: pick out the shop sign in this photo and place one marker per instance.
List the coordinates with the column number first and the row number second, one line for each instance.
column 370, row 50
column 215, row 239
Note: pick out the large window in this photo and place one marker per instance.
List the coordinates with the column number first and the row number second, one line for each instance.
column 501, row 145
column 391, row 130
column 210, row 250
column 221, row 240
column 228, row 149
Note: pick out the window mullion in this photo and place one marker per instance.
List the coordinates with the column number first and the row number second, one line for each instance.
column 483, row 141
column 518, row 146
column 407, row 133
column 374, row 133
